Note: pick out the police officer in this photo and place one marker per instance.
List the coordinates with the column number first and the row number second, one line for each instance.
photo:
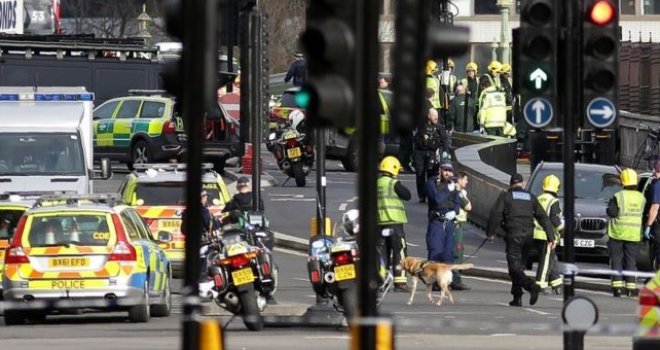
column 492, row 109
column 392, row 217
column 625, row 210
column 652, row 193
column 208, row 223
column 444, row 205
column 242, row 200
column 515, row 211
column 297, row 70
column 428, row 140
column 547, row 272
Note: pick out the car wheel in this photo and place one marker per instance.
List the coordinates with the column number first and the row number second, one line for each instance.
column 352, row 159
column 140, row 153
column 141, row 312
column 165, row 307
column 14, row 318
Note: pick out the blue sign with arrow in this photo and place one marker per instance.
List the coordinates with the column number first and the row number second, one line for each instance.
column 538, row 112
column 601, row 112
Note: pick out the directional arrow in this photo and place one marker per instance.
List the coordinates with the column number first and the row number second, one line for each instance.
column 606, row 112
column 538, row 108
column 538, row 77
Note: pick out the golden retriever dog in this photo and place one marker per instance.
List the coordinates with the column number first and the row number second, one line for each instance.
column 430, row 272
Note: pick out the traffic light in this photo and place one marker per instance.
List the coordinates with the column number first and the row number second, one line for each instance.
column 536, row 52
column 172, row 72
column 329, row 45
column 600, row 61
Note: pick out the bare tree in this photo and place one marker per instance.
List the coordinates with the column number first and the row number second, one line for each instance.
column 109, row 18
column 286, row 20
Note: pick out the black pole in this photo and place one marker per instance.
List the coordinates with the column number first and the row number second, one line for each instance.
column 246, row 106
column 200, row 57
column 570, row 92
column 320, row 181
column 257, row 106
column 367, row 111
column 230, row 16
column 465, row 108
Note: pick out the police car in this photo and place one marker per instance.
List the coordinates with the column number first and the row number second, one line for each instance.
column 156, row 191
column 80, row 252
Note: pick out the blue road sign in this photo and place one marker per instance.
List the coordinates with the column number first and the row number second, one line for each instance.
column 538, row 112
column 601, row 112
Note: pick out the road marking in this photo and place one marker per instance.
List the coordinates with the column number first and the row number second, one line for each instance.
column 300, row 279
column 286, row 195
column 439, row 312
column 503, row 335
column 501, row 261
column 412, row 245
column 343, row 206
column 329, row 337
column 293, row 200
column 289, row 251
column 352, row 199
column 537, row 311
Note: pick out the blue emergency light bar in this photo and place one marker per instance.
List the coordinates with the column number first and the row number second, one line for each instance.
column 47, row 97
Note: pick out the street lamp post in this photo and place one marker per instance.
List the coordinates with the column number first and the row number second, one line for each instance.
column 505, row 37
column 494, row 47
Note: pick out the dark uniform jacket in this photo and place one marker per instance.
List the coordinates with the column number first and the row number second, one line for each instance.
column 516, row 210
column 441, row 200
column 456, row 113
column 242, row 202
column 297, row 71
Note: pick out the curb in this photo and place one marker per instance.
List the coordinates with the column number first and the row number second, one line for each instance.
column 586, row 283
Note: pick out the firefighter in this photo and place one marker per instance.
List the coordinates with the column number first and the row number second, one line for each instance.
column 391, row 218
column 493, row 76
column 547, row 272
column 492, row 109
column 515, row 211
column 510, row 130
column 507, row 87
column 453, row 80
column 444, row 206
column 433, row 83
column 471, row 84
column 625, row 210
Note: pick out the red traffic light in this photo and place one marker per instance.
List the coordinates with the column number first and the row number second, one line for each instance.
column 602, row 13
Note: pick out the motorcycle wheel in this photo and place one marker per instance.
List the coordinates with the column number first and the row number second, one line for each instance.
column 251, row 315
column 348, row 300
column 298, row 174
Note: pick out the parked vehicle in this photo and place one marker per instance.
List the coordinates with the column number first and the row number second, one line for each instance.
column 647, row 336
column 294, row 153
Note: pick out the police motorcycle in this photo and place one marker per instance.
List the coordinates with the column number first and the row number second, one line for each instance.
column 241, row 271
column 332, row 267
column 292, row 149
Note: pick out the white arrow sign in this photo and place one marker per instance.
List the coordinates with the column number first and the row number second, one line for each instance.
column 538, row 77
column 538, row 108
column 606, row 112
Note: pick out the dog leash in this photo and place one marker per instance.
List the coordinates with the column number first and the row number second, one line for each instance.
column 476, row 250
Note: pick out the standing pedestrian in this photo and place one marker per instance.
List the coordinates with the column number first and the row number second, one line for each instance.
column 297, row 70
column 391, row 218
column 547, row 272
column 444, row 205
column 625, row 210
column 433, row 83
column 427, row 143
column 652, row 228
column 457, row 117
column 515, row 211
column 461, row 221
column 492, row 109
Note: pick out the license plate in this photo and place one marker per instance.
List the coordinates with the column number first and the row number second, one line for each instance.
column 344, row 272
column 242, row 276
column 68, row 262
column 169, row 224
column 581, row 243
column 293, row 152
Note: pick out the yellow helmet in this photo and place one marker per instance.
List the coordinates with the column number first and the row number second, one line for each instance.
column 431, row 67
column 506, row 68
column 472, row 66
column 451, row 63
column 629, row 177
column 495, row 67
column 551, row 184
column 390, row 165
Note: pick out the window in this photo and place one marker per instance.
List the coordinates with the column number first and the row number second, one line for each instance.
column 77, row 229
column 152, row 109
column 589, row 184
column 651, row 7
column 131, row 231
column 42, row 154
column 143, row 230
column 105, row 110
column 627, row 7
column 486, row 7
column 171, row 192
column 128, row 109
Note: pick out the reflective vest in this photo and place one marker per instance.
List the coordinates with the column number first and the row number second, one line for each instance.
column 509, row 130
column 547, row 201
column 627, row 226
column 390, row 207
column 462, row 214
column 385, row 117
column 434, row 84
column 492, row 108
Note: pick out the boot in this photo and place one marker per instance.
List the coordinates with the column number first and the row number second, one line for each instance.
column 631, row 293
column 459, row 286
column 534, row 294
column 401, row 288
column 557, row 290
column 616, row 292
column 516, row 302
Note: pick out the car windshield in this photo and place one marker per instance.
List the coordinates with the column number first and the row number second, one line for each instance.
column 289, row 100
column 69, row 229
column 171, row 192
column 8, row 221
column 41, row 154
column 589, row 184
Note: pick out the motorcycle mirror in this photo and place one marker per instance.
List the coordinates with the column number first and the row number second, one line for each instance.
column 272, row 136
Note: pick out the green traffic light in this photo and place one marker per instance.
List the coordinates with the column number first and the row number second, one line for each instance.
column 302, row 98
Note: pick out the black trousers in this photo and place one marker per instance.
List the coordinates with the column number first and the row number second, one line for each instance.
column 516, row 246
column 656, row 252
column 623, row 256
column 421, row 159
column 395, row 250
column 406, row 149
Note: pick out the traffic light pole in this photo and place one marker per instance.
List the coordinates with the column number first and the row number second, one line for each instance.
column 320, row 181
column 199, row 84
column 257, row 106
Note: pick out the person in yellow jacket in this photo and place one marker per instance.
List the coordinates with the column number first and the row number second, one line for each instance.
column 493, row 76
column 625, row 210
column 510, row 130
column 391, row 218
column 492, row 109
column 547, row 272
column 453, row 80
column 507, row 87
column 433, row 83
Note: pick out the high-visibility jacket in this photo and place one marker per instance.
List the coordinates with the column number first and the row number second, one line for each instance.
column 547, row 201
column 385, row 117
column 492, row 108
column 509, row 130
column 462, row 214
column 453, row 81
column 391, row 209
column 627, row 226
column 434, row 84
